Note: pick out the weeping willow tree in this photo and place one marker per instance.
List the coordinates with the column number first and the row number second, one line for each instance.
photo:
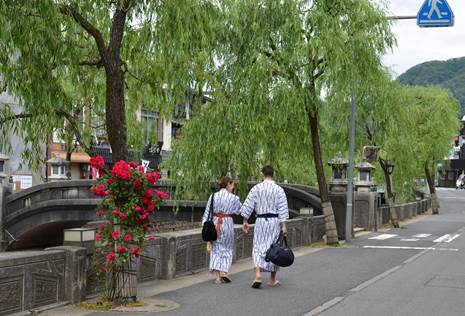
column 275, row 65
column 433, row 123
column 82, row 62
column 384, row 119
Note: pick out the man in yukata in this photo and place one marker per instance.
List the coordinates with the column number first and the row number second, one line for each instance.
column 270, row 204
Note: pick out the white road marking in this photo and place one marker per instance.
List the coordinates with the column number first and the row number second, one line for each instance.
column 452, row 238
column 411, row 248
column 410, row 239
column 442, row 238
column 383, row 236
column 421, row 235
column 415, row 256
column 324, row 307
column 373, row 280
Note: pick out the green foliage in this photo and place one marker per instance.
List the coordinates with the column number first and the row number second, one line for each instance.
column 275, row 65
column 53, row 65
column 447, row 74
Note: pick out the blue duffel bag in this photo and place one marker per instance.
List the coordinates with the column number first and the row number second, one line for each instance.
column 279, row 253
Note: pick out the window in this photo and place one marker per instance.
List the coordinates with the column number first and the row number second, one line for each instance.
column 2, row 168
column 150, row 118
column 58, row 170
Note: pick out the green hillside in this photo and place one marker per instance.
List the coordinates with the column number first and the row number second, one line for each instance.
column 448, row 74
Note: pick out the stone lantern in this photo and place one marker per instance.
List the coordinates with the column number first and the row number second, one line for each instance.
column 338, row 181
column 58, row 168
column 365, row 180
column 3, row 172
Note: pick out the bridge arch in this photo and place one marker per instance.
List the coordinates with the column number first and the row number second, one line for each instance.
column 36, row 217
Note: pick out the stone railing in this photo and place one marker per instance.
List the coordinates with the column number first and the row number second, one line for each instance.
column 30, row 280
column 181, row 253
column 405, row 211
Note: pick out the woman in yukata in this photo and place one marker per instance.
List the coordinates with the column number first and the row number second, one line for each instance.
column 225, row 205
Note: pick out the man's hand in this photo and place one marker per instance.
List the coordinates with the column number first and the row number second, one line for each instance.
column 283, row 229
column 245, row 227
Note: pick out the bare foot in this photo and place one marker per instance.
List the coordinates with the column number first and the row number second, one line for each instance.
column 273, row 283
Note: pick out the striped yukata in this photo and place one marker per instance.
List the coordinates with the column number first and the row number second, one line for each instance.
column 221, row 254
column 265, row 197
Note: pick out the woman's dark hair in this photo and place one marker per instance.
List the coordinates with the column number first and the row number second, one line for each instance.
column 224, row 181
column 268, row 171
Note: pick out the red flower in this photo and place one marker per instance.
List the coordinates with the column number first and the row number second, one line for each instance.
column 121, row 170
column 100, row 213
column 101, row 227
column 135, row 251
column 122, row 249
column 148, row 194
column 111, row 256
column 141, row 169
column 100, row 190
column 110, row 181
column 97, row 162
column 123, row 215
column 150, row 206
column 137, row 184
column 162, row 195
column 115, row 234
column 116, row 212
column 144, row 216
column 133, row 164
column 138, row 209
column 152, row 177
column 127, row 238
column 98, row 236
column 151, row 238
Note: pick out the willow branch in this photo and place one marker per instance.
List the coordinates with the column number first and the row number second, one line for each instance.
column 86, row 25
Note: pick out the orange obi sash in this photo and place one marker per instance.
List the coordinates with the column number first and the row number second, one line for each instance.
column 220, row 216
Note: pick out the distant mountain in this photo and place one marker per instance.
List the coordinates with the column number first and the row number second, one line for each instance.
column 448, row 74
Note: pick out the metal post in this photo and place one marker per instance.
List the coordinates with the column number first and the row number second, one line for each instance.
column 348, row 233
column 402, row 17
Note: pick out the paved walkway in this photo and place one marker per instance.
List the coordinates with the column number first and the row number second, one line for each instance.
column 330, row 280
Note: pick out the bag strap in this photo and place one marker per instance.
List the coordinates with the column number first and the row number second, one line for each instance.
column 282, row 240
column 210, row 214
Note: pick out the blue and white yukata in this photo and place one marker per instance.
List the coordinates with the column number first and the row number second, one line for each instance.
column 221, row 254
column 266, row 198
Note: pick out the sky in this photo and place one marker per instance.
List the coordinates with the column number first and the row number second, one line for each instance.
column 417, row 45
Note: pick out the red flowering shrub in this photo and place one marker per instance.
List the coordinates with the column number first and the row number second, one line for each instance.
column 129, row 198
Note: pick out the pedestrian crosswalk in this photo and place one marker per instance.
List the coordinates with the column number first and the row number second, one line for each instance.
column 447, row 238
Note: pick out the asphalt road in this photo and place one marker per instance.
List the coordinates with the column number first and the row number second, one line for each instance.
column 414, row 270
column 433, row 282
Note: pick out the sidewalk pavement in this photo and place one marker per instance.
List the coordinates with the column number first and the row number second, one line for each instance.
column 318, row 275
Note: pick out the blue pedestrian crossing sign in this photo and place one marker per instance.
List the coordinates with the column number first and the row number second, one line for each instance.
column 435, row 13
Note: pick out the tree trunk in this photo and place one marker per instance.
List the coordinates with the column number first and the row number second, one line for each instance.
column 330, row 223
column 432, row 189
column 115, row 112
column 390, row 195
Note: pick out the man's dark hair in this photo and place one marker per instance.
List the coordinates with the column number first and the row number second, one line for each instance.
column 268, row 171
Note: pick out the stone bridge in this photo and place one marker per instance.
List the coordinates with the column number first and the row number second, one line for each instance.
column 36, row 217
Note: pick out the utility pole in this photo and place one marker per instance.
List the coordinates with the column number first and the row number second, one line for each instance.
column 350, row 171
